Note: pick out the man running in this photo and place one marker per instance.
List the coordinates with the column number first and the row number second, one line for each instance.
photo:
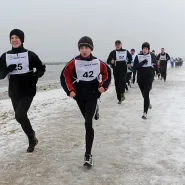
column 163, row 58
column 120, row 59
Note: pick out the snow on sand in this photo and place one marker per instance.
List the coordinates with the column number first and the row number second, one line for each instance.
column 127, row 150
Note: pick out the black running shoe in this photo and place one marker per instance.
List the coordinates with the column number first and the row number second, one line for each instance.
column 144, row 116
column 33, row 141
column 97, row 115
column 88, row 160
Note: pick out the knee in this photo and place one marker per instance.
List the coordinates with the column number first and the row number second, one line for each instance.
column 19, row 116
column 88, row 126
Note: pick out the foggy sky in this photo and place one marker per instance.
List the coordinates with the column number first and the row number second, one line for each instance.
column 53, row 27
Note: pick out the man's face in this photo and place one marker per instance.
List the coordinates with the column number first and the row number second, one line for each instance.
column 132, row 52
column 162, row 50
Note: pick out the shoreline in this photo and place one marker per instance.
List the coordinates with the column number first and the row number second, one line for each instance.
column 41, row 87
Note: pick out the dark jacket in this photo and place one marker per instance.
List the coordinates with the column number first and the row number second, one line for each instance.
column 84, row 89
column 167, row 57
column 22, row 84
column 120, row 67
column 144, row 74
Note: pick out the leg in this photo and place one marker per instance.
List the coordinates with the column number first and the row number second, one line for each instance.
column 141, row 87
column 165, row 72
column 118, row 92
column 126, row 86
column 97, row 114
column 134, row 77
column 129, row 78
column 90, row 108
column 122, row 82
column 147, row 89
column 81, row 105
column 21, row 108
column 145, row 96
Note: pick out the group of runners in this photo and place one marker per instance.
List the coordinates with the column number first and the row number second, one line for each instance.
column 84, row 79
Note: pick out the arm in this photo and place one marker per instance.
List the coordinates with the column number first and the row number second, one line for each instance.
column 129, row 56
column 158, row 57
column 37, row 63
column 111, row 57
column 106, row 76
column 154, row 62
column 66, row 76
column 3, row 67
column 137, row 64
column 167, row 57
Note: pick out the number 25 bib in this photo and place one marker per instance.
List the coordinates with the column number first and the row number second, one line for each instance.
column 87, row 70
column 21, row 60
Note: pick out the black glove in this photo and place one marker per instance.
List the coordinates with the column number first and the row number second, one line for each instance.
column 38, row 74
column 11, row 68
column 145, row 61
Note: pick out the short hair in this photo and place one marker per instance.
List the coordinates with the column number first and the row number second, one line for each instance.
column 162, row 48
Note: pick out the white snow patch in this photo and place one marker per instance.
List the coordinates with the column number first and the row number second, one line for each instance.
column 127, row 150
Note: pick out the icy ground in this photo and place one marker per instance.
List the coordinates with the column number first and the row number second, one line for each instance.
column 127, row 150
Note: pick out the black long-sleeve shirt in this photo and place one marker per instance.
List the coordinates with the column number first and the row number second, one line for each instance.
column 144, row 68
column 22, row 84
column 163, row 57
column 122, row 65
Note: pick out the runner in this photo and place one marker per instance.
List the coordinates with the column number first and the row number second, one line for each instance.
column 19, row 64
column 80, row 81
column 163, row 58
column 156, row 71
column 132, row 52
column 144, row 65
column 172, row 62
column 120, row 59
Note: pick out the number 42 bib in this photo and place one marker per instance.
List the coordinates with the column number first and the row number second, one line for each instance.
column 87, row 70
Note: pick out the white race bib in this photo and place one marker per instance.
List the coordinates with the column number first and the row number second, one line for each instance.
column 87, row 70
column 163, row 57
column 121, row 56
column 21, row 60
column 148, row 57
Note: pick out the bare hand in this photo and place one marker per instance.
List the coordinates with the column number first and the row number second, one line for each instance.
column 129, row 65
column 101, row 90
column 112, row 61
column 72, row 94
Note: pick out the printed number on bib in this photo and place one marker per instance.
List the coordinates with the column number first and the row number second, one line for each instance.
column 121, row 57
column 21, row 60
column 87, row 70
column 88, row 74
column 19, row 67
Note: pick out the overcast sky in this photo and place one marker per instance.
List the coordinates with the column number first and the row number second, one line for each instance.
column 53, row 27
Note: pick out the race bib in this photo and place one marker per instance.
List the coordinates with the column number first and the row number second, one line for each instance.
column 121, row 56
column 87, row 70
column 21, row 60
column 148, row 57
column 163, row 57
